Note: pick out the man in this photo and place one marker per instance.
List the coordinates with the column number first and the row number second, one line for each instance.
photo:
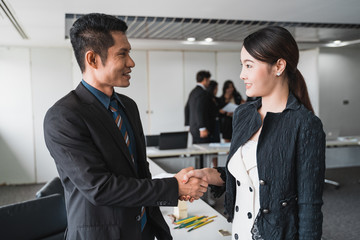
column 198, row 112
column 96, row 139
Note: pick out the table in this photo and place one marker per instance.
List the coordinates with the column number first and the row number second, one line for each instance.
column 345, row 141
column 203, row 151
column 199, row 208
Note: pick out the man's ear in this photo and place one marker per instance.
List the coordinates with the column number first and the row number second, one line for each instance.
column 280, row 66
column 91, row 59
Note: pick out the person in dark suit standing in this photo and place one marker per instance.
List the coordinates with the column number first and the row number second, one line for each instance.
column 198, row 112
column 96, row 139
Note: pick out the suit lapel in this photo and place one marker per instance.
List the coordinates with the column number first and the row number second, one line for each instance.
column 102, row 116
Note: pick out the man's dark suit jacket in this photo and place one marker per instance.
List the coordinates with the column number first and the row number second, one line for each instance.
column 103, row 190
column 198, row 113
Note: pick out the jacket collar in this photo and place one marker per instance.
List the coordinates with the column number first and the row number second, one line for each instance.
column 291, row 104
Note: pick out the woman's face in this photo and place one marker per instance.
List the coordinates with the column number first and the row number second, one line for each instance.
column 230, row 89
column 215, row 90
column 259, row 77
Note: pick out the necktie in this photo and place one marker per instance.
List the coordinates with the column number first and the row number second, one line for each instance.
column 119, row 121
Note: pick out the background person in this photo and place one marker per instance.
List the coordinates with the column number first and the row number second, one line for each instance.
column 229, row 95
column 198, row 112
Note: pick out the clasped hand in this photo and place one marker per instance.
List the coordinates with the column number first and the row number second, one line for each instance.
column 193, row 183
column 190, row 187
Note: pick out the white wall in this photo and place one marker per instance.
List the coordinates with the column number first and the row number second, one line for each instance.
column 308, row 66
column 16, row 117
column 51, row 79
column 340, row 81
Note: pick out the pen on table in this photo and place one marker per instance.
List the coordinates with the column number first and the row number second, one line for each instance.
column 199, row 221
column 181, row 220
column 200, row 225
column 189, row 221
column 186, row 220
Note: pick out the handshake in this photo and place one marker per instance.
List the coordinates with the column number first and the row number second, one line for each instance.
column 194, row 183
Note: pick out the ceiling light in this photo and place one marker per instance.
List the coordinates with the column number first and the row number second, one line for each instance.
column 337, row 43
column 208, row 39
column 191, row 39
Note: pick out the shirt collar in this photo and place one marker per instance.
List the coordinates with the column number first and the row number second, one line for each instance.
column 292, row 102
column 102, row 97
column 202, row 86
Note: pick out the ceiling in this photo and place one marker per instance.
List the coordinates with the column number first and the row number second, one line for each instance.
column 166, row 25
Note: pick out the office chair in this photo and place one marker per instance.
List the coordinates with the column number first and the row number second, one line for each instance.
column 42, row 218
column 51, row 187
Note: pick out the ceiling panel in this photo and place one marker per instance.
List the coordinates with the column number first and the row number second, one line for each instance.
column 226, row 30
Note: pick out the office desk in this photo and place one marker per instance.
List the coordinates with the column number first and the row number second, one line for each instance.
column 199, row 208
column 203, row 151
column 346, row 141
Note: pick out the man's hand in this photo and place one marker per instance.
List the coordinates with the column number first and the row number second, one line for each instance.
column 193, row 187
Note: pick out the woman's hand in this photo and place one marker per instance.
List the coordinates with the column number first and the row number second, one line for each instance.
column 210, row 175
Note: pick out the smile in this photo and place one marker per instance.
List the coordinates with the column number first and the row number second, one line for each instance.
column 248, row 85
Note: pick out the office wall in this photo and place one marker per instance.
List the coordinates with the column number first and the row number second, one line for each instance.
column 31, row 79
column 51, row 79
column 340, row 83
column 16, row 117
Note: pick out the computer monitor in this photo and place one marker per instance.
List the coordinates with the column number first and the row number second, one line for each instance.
column 152, row 140
column 173, row 140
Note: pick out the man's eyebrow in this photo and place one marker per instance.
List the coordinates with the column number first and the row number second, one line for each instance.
column 123, row 50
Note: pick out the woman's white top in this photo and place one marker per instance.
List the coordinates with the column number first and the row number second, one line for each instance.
column 243, row 166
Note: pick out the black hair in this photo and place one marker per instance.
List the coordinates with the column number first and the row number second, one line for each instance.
column 93, row 32
column 226, row 85
column 272, row 43
column 201, row 75
column 212, row 85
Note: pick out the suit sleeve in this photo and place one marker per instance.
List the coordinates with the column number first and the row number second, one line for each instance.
column 310, row 178
column 80, row 163
column 187, row 114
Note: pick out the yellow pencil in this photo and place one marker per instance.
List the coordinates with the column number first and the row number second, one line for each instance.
column 189, row 220
column 186, row 219
column 200, row 221
column 200, row 225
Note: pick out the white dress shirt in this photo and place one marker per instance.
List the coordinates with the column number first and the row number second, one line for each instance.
column 243, row 166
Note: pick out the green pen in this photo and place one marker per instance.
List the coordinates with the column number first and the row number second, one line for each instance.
column 180, row 220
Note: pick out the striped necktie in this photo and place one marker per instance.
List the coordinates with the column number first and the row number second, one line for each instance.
column 119, row 121
column 114, row 107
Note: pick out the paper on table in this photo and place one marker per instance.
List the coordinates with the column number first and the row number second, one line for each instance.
column 230, row 107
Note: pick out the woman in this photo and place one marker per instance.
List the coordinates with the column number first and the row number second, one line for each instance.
column 229, row 95
column 274, row 175
column 212, row 90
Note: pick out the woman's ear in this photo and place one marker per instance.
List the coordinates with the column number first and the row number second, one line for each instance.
column 280, row 66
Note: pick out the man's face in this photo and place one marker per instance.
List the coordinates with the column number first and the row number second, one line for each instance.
column 115, row 72
column 206, row 82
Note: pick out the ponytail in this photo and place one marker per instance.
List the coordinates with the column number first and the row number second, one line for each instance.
column 298, row 87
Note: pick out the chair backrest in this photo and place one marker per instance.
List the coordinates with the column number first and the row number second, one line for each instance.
column 51, row 187
column 41, row 218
